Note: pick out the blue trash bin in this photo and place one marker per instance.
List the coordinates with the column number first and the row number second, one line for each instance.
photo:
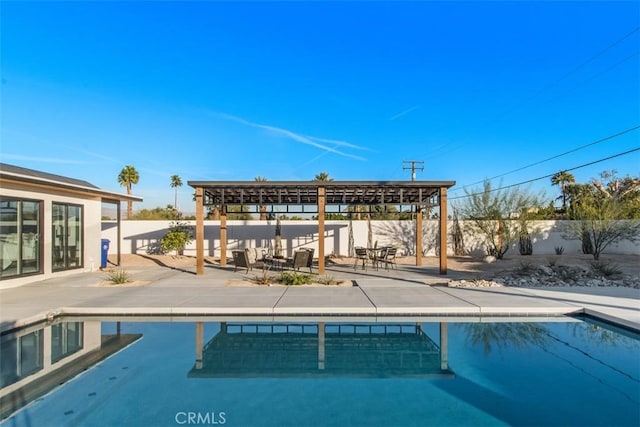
column 104, row 253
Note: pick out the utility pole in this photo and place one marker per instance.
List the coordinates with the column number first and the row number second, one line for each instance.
column 413, row 167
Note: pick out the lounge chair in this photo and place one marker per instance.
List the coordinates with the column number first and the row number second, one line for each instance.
column 310, row 260
column 247, row 258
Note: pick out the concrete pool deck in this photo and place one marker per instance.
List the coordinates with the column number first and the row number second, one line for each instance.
column 408, row 292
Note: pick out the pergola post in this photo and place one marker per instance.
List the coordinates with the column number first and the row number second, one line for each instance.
column 119, row 233
column 223, row 236
column 418, row 235
column 199, row 231
column 443, row 230
column 321, row 207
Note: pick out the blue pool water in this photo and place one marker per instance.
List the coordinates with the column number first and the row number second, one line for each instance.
column 386, row 374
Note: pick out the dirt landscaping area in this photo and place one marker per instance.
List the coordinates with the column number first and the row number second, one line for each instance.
column 515, row 269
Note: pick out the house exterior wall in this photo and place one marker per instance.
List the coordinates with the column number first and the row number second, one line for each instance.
column 142, row 237
column 92, row 210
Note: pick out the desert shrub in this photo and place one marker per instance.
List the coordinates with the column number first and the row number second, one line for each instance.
column 607, row 270
column 327, row 280
column 292, row 278
column 559, row 250
column 118, row 276
column 489, row 212
column 457, row 236
column 524, row 269
column 265, row 278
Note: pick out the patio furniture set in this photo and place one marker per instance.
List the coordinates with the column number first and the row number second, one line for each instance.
column 375, row 256
column 260, row 258
column 303, row 258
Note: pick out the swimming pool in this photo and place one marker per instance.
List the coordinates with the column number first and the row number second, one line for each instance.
column 248, row 373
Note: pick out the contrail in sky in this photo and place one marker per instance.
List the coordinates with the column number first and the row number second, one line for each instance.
column 308, row 140
column 405, row 112
column 41, row 159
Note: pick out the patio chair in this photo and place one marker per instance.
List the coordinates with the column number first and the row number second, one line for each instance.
column 361, row 255
column 388, row 257
column 299, row 260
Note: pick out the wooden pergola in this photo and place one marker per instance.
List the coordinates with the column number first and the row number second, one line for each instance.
column 314, row 197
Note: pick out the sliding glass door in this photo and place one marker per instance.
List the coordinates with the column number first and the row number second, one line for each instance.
column 20, row 227
column 67, row 238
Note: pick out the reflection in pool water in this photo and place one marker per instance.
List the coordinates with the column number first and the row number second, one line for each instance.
column 324, row 373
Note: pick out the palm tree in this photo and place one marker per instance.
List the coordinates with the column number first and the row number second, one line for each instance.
column 563, row 178
column 175, row 183
column 128, row 176
column 322, row 176
column 263, row 208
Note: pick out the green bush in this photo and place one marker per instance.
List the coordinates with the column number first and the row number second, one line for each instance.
column 180, row 235
column 293, row 278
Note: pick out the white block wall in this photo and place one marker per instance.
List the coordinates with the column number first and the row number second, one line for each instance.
column 142, row 237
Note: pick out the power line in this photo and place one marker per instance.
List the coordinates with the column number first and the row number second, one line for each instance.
column 595, row 76
column 593, row 58
column 550, row 85
column 550, row 175
column 554, row 157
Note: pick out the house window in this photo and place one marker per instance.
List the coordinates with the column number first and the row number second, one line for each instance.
column 66, row 339
column 20, row 248
column 66, row 236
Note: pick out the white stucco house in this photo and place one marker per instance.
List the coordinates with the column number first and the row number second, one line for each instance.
column 50, row 225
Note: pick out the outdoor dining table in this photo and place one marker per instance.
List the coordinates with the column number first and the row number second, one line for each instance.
column 276, row 263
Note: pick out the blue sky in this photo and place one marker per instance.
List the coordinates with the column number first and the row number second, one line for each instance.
column 234, row 90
